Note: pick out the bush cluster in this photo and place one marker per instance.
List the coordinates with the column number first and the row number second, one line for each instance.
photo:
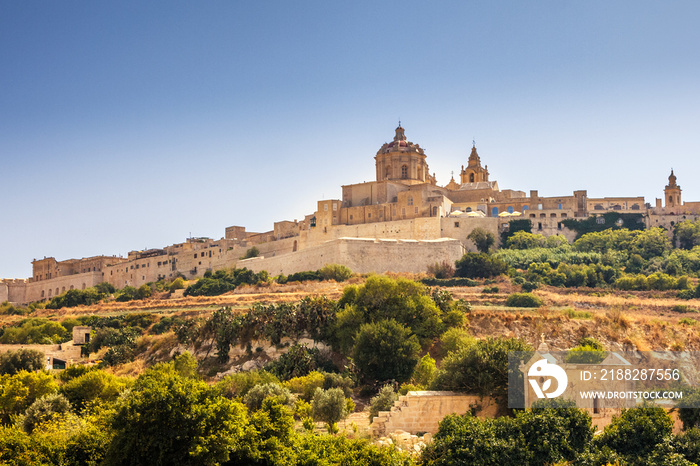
column 224, row 280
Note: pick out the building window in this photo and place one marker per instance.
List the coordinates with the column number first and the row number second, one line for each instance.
column 325, row 207
column 600, row 220
column 560, row 206
column 351, row 217
column 404, row 171
column 335, row 207
column 415, row 210
column 558, row 225
column 369, row 215
column 387, row 173
column 410, row 200
column 510, row 209
column 494, row 212
column 525, row 208
column 471, row 177
column 195, row 255
column 456, row 224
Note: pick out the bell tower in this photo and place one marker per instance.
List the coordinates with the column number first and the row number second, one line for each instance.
column 474, row 171
column 672, row 193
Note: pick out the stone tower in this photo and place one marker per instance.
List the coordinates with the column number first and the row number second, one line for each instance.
column 672, row 193
column 402, row 160
column 474, row 171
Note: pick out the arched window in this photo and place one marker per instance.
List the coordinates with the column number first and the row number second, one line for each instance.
column 494, row 212
column 525, row 208
column 469, row 209
column 387, row 172
column 404, row 171
column 471, row 177
column 510, row 209
column 670, row 199
column 420, row 174
column 560, row 206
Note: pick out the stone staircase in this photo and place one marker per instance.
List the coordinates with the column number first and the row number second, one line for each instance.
column 421, row 411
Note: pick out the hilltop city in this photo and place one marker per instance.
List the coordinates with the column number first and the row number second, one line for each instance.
column 402, row 222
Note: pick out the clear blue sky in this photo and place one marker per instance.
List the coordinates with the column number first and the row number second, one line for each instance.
column 127, row 125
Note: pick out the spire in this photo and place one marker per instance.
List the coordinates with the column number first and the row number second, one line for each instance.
column 400, row 136
column 672, row 179
column 474, row 160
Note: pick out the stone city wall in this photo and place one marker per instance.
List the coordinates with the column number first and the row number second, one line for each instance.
column 362, row 255
column 47, row 289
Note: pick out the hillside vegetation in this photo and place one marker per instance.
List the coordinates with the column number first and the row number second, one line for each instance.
column 267, row 370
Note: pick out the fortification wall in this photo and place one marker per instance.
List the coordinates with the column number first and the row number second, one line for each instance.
column 460, row 227
column 422, row 228
column 4, row 292
column 13, row 290
column 362, row 255
column 47, row 289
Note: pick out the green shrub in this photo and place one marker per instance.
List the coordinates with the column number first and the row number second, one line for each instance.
column 683, row 308
column 9, row 309
column 72, row 298
column 239, row 384
column 455, row 339
column 298, row 361
column 385, row 350
column 382, row 401
column 35, row 331
column 177, row 284
column 481, row 368
column 409, row 387
column 585, row 355
column 523, row 300
column 44, row 409
column 23, row 359
column 480, row 265
column 687, row 321
column 448, row 282
column 256, row 395
column 336, row 272
column 251, row 252
column 224, row 280
column 329, row 406
column 441, row 270
column 305, row 386
column 529, row 286
column 425, row 371
column 304, row 276
column 573, row 314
